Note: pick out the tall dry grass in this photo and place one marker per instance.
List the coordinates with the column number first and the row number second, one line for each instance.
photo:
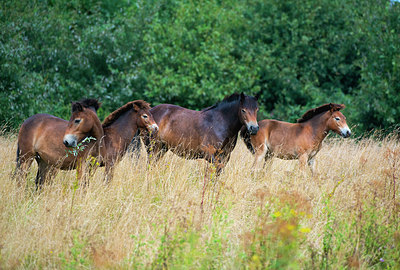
column 174, row 215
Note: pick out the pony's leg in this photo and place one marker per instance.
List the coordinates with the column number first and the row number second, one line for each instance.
column 50, row 173
column 43, row 170
column 109, row 172
column 267, row 158
column 215, row 160
column 22, row 168
column 92, row 166
column 82, row 172
column 221, row 163
column 156, row 151
column 135, row 146
column 259, row 156
column 216, row 167
column 303, row 159
column 311, row 164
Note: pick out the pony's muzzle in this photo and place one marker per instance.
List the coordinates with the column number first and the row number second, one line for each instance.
column 154, row 127
column 70, row 140
column 345, row 132
column 253, row 129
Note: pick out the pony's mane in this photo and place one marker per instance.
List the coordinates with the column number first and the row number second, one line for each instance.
column 227, row 99
column 324, row 108
column 90, row 103
column 112, row 117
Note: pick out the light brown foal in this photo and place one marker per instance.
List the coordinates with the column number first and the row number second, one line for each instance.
column 301, row 140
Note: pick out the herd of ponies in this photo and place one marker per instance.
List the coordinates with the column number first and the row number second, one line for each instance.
column 210, row 134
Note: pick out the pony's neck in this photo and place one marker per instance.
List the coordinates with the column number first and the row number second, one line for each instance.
column 98, row 134
column 231, row 112
column 122, row 129
column 97, row 129
column 319, row 125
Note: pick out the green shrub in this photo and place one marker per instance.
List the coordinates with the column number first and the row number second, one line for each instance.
column 293, row 55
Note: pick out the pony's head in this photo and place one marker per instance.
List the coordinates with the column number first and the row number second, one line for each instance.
column 145, row 118
column 83, row 123
column 337, row 121
column 248, row 108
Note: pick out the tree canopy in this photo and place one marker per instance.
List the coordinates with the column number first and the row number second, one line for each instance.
column 293, row 54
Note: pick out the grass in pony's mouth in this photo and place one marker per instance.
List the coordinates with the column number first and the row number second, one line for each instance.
column 79, row 147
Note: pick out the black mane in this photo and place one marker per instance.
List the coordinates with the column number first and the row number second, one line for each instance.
column 112, row 117
column 89, row 103
column 226, row 100
column 315, row 111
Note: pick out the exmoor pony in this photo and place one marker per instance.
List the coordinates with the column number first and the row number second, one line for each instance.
column 301, row 140
column 210, row 133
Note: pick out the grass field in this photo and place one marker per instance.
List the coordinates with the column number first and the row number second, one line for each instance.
column 169, row 215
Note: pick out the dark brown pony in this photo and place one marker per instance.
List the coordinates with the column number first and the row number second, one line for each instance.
column 301, row 140
column 210, row 134
column 41, row 138
column 118, row 128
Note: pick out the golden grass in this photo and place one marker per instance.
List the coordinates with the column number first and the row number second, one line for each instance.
column 126, row 223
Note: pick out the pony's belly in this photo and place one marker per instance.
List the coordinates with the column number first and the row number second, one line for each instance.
column 286, row 156
column 282, row 153
column 187, row 153
column 68, row 167
column 62, row 163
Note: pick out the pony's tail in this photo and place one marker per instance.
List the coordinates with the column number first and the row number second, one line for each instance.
column 246, row 138
column 18, row 158
column 136, row 145
column 18, row 163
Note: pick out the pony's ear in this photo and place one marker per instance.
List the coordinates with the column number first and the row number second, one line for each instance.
column 331, row 107
column 77, row 107
column 141, row 105
column 92, row 104
column 242, row 98
column 135, row 107
column 257, row 96
column 336, row 107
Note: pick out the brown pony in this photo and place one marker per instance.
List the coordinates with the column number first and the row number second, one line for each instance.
column 41, row 138
column 119, row 128
column 210, row 134
column 301, row 140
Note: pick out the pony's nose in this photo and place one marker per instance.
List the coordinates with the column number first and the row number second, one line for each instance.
column 253, row 130
column 69, row 140
column 154, row 127
column 346, row 133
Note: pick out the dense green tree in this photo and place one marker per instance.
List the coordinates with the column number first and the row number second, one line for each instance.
column 292, row 54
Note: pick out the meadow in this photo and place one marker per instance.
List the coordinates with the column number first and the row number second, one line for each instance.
column 174, row 215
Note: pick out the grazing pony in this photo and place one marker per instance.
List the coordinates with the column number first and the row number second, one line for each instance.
column 210, row 134
column 301, row 140
column 118, row 130
column 41, row 138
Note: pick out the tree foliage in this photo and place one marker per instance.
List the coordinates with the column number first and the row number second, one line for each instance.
column 292, row 54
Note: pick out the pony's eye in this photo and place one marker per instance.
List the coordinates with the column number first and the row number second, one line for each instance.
column 144, row 116
column 337, row 118
column 243, row 110
column 77, row 121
